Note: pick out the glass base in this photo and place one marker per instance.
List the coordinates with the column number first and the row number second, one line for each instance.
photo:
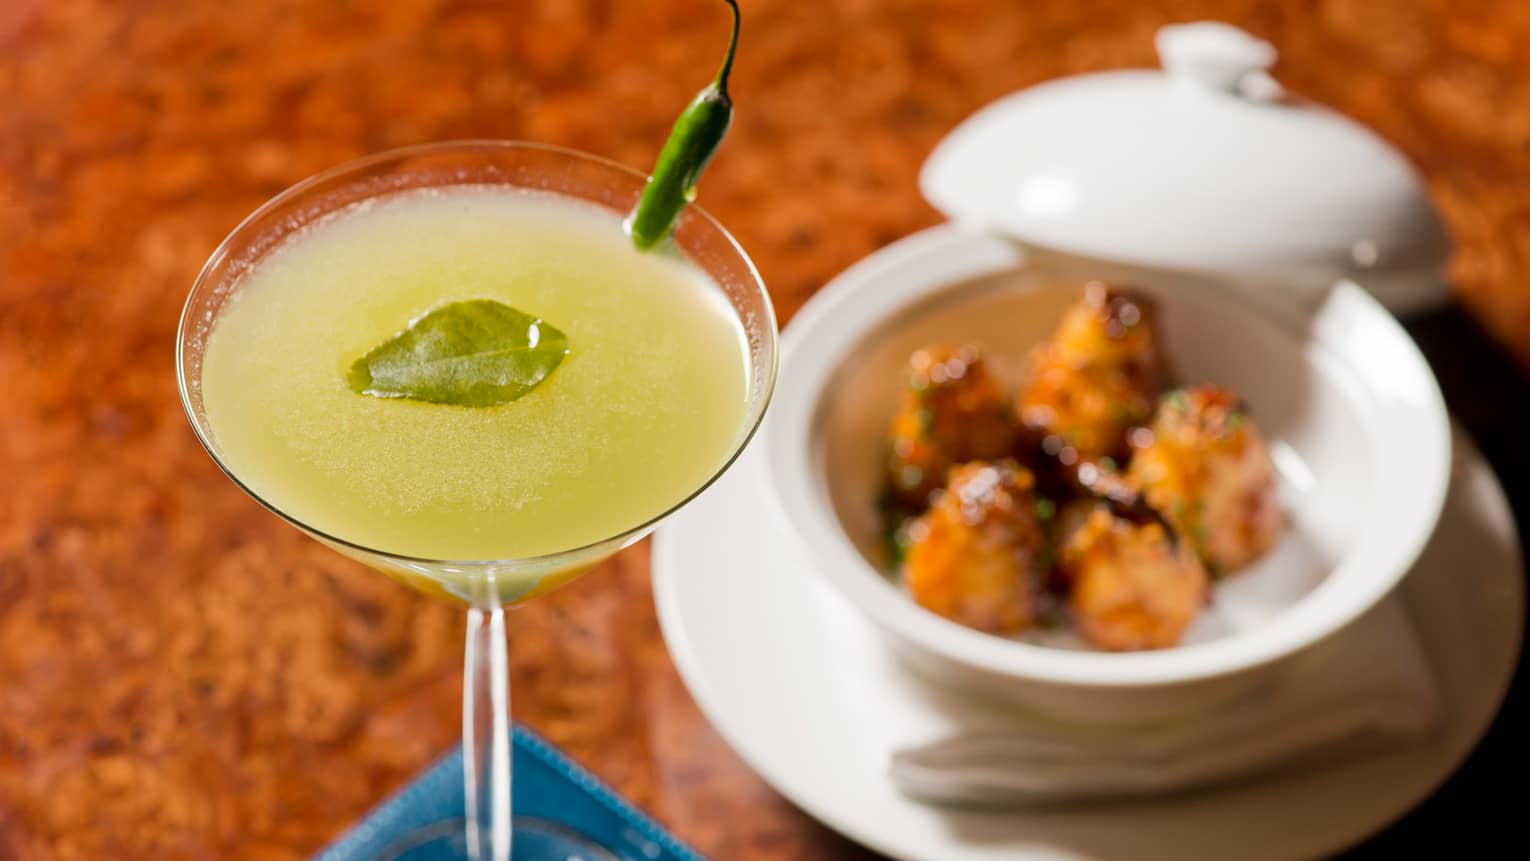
column 535, row 840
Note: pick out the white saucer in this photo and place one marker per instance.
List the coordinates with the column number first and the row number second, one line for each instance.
column 798, row 684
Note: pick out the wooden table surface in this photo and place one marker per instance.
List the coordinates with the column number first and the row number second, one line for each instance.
column 182, row 676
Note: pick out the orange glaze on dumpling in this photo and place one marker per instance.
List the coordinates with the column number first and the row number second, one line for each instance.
column 978, row 555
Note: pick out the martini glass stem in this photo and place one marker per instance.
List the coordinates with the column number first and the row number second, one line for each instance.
column 486, row 736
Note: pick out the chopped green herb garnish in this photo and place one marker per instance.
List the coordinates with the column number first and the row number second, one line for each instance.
column 1046, row 509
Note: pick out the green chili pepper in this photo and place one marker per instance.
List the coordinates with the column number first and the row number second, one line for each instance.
column 691, row 143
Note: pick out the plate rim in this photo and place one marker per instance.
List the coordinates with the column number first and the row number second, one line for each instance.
column 1470, row 463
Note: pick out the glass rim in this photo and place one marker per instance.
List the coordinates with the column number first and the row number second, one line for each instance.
column 228, row 244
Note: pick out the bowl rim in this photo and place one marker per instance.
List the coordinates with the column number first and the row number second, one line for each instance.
column 824, row 331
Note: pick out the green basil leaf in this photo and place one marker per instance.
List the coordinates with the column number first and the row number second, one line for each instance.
column 475, row 353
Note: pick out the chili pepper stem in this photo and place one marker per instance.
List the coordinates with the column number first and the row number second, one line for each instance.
column 721, row 81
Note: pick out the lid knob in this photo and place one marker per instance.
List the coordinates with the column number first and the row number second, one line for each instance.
column 1215, row 55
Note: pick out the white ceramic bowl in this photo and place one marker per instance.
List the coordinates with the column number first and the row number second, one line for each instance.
column 1358, row 429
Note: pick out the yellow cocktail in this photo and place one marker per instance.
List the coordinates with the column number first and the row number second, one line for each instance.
column 451, row 363
column 649, row 401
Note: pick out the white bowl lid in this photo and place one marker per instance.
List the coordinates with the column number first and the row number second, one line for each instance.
column 1207, row 166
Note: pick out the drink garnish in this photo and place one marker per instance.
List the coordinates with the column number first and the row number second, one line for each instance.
column 473, row 353
column 694, row 138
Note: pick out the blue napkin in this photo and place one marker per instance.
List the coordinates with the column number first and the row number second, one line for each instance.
column 554, row 799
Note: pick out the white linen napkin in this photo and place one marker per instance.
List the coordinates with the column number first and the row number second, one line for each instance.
column 1366, row 689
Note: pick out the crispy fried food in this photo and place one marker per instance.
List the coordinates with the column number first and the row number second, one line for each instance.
column 994, row 545
column 1206, row 468
column 1100, row 374
column 978, row 556
column 1132, row 585
column 952, row 411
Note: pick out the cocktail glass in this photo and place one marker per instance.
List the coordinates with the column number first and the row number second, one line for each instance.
column 486, row 586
